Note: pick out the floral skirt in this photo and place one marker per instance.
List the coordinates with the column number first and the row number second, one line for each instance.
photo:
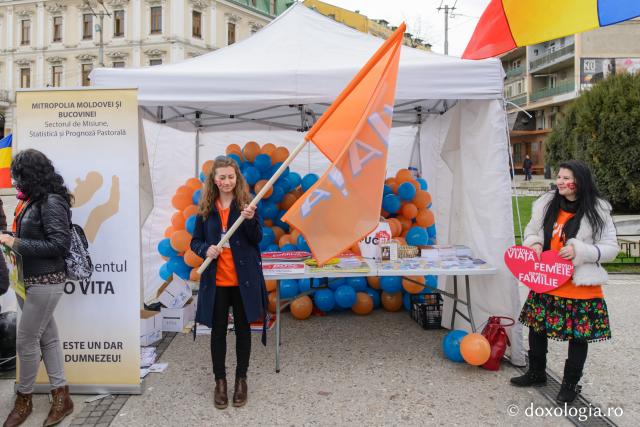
column 566, row 319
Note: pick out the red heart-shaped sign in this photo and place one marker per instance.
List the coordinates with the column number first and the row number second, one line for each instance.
column 541, row 275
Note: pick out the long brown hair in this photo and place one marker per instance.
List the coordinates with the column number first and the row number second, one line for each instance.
column 211, row 191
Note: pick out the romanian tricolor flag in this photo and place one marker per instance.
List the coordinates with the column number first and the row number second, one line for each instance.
column 507, row 24
column 344, row 204
column 5, row 161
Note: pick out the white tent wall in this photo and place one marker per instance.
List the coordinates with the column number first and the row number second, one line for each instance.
column 464, row 155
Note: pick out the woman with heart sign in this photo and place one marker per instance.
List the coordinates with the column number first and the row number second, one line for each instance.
column 576, row 222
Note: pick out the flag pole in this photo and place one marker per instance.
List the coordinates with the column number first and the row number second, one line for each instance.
column 255, row 200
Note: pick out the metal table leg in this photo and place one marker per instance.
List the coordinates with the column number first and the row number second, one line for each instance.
column 455, row 301
column 277, row 329
column 473, row 325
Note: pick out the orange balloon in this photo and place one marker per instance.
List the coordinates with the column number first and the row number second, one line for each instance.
column 169, row 231
column 181, row 201
column 184, row 189
column 294, row 236
column 251, row 150
column 302, row 307
column 189, row 211
column 268, row 223
column 271, row 285
column 177, row 220
column 206, row 167
column 396, row 227
column 233, row 148
column 278, row 232
column 409, row 210
column 237, row 153
column 284, row 240
column 422, row 199
column 374, row 282
column 280, row 154
column 180, row 241
column 394, row 187
column 391, row 302
column 403, row 175
column 192, row 259
column 194, row 276
column 411, row 287
column 363, row 304
column 425, row 218
column 415, row 184
column 404, row 234
column 258, row 188
column 194, row 184
column 475, row 349
column 405, row 222
column 287, row 201
column 271, row 302
column 390, row 181
column 401, row 240
column 268, row 148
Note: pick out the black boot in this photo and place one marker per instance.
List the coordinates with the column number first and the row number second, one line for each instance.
column 536, row 374
column 570, row 388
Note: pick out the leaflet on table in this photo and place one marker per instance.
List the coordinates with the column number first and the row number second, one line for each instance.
column 290, row 256
column 344, row 266
column 425, row 264
column 438, row 252
column 277, row 268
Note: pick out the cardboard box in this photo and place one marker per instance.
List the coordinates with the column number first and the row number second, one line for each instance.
column 150, row 327
column 175, row 319
column 174, row 293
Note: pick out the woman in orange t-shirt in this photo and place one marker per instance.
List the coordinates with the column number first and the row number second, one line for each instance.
column 234, row 278
column 577, row 223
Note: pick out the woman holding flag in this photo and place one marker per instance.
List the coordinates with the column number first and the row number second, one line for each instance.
column 234, row 278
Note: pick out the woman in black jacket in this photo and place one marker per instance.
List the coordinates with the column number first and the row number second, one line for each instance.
column 234, row 279
column 42, row 237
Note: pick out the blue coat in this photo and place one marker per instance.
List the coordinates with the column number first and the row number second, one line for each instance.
column 246, row 258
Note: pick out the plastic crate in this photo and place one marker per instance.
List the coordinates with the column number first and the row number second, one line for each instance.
column 426, row 309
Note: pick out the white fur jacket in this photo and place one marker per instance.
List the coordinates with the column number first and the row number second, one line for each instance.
column 590, row 250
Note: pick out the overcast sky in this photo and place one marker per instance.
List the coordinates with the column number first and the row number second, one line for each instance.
column 423, row 18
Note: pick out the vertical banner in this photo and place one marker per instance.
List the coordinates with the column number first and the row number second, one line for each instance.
column 91, row 136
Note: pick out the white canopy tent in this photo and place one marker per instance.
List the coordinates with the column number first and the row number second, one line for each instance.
column 449, row 120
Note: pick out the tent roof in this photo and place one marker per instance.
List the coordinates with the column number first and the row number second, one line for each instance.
column 302, row 57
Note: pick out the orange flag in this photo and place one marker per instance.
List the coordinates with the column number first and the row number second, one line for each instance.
column 344, row 204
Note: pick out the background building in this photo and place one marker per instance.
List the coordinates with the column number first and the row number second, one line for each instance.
column 544, row 78
column 57, row 43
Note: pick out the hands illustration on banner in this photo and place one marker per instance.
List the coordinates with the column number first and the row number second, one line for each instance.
column 84, row 192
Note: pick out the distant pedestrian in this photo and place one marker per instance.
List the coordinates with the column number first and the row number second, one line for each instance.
column 574, row 221
column 526, row 166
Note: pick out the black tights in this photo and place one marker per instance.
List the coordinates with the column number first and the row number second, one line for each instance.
column 577, row 349
column 230, row 297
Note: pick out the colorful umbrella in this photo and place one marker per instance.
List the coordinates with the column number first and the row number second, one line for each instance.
column 507, row 24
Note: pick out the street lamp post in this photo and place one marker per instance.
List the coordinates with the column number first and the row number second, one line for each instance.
column 100, row 27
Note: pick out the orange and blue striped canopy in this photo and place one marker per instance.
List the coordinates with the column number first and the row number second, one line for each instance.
column 507, row 24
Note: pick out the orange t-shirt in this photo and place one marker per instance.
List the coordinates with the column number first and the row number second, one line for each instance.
column 226, row 271
column 569, row 289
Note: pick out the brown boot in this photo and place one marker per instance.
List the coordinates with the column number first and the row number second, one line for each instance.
column 21, row 410
column 220, row 398
column 240, row 392
column 61, row 406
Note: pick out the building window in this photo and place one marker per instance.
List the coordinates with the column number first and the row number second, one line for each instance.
column 231, row 33
column 153, row 62
column 196, row 24
column 57, row 28
column 25, row 32
column 87, row 26
column 118, row 64
column 25, row 77
column 156, row 20
column 86, row 70
column 56, row 76
column 118, row 23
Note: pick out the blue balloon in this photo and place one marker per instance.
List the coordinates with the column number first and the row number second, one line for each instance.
column 324, row 300
column 432, row 281
column 275, row 168
column 304, row 285
column 423, row 184
column 294, row 180
column 336, row 283
column 273, row 248
column 391, row 284
column 431, row 230
column 406, row 191
column 165, row 249
column 345, row 296
column 451, row 345
column 190, row 224
column 269, row 210
column 203, row 177
column 302, row 244
column 288, row 288
column 184, row 272
column 432, row 241
column 164, row 272
column 277, row 194
column 283, row 182
column 359, row 284
column 197, row 195
column 268, row 238
column 262, row 162
column 417, row 236
column 252, row 175
column 406, row 301
column 375, row 296
column 289, row 248
column 281, row 223
column 387, row 190
column 176, row 263
column 391, row 203
column 308, row 181
column 235, row 157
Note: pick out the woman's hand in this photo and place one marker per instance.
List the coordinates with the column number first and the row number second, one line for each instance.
column 213, row 252
column 537, row 247
column 567, row 252
column 7, row 239
column 248, row 212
